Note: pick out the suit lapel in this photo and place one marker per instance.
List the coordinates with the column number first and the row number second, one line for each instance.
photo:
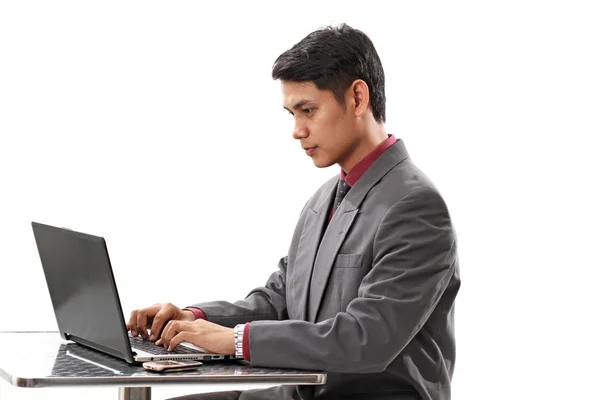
column 314, row 225
column 332, row 240
column 342, row 222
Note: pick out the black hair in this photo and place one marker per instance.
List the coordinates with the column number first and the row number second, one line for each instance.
column 332, row 58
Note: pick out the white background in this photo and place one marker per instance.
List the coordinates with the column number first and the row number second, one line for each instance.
column 130, row 120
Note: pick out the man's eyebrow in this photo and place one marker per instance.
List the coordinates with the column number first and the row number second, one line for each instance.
column 298, row 104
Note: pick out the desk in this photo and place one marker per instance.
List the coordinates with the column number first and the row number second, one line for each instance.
column 44, row 359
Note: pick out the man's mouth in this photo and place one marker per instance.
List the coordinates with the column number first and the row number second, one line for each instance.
column 310, row 150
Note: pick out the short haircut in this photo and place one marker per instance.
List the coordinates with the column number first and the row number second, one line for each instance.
column 332, row 58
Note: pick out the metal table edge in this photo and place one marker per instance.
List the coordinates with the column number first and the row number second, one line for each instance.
column 312, row 379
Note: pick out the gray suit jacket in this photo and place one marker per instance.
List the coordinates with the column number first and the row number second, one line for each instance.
column 368, row 298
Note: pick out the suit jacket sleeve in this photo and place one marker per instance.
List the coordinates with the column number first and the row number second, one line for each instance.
column 414, row 254
column 264, row 303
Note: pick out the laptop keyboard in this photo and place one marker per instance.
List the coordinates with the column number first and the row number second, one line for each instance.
column 149, row 347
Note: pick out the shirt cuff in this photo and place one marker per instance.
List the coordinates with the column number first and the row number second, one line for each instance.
column 246, row 342
column 197, row 312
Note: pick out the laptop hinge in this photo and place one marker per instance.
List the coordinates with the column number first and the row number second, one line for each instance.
column 99, row 347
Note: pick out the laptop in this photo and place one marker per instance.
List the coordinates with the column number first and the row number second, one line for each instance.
column 86, row 302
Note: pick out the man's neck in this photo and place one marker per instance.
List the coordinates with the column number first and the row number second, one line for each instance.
column 372, row 138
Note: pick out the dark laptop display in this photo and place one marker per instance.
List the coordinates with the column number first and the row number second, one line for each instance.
column 85, row 298
column 82, row 289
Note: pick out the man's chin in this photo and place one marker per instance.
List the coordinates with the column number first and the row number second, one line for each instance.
column 322, row 164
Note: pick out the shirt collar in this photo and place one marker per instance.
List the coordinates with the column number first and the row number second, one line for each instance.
column 363, row 165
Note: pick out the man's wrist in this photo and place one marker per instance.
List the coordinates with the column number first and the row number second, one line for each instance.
column 188, row 315
column 198, row 313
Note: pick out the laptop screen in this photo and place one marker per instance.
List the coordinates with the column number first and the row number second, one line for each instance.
column 82, row 289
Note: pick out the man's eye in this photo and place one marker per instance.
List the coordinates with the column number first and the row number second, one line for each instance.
column 307, row 110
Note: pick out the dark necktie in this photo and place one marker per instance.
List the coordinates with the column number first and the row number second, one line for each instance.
column 342, row 189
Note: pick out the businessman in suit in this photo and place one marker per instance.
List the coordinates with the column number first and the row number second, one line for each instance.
column 366, row 291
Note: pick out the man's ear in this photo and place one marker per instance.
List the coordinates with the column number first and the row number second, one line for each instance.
column 359, row 94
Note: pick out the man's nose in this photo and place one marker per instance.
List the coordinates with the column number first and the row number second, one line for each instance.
column 300, row 132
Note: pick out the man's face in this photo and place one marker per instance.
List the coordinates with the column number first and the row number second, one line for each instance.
column 325, row 128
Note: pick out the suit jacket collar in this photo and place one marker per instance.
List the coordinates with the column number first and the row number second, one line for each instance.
column 388, row 160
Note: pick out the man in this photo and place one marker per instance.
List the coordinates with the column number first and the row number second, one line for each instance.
column 367, row 289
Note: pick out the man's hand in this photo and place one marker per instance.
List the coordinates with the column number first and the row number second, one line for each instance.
column 155, row 317
column 212, row 337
